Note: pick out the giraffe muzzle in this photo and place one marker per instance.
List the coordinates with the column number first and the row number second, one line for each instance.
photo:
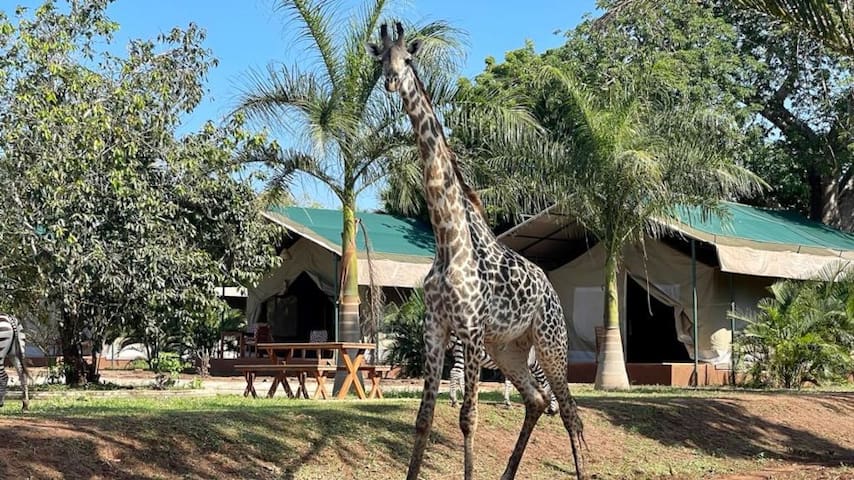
column 392, row 83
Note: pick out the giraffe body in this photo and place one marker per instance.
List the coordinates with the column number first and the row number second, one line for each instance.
column 488, row 296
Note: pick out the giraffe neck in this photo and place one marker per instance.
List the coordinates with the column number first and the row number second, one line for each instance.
column 443, row 189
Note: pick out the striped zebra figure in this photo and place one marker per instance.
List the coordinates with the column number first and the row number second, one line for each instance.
column 11, row 341
column 456, row 381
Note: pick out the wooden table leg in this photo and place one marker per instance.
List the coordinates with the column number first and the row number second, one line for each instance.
column 302, row 388
column 287, row 386
column 376, row 392
column 352, row 369
column 273, row 387
column 250, row 385
column 320, row 391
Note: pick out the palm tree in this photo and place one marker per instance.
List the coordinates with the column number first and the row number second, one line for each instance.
column 345, row 129
column 619, row 162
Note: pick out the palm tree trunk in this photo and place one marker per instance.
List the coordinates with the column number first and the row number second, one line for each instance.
column 611, row 372
column 348, row 311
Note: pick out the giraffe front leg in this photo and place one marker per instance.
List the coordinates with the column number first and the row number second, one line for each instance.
column 468, row 411
column 435, row 339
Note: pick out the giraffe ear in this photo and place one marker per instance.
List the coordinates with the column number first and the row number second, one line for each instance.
column 414, row 47
column 374, row 50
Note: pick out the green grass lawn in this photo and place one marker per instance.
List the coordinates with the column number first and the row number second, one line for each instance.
column 647, row 433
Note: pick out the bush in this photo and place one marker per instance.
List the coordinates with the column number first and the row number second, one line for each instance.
column 805, row 333
column 138, row 364
column 405, row 327
column 168, row 363
column 167, row 366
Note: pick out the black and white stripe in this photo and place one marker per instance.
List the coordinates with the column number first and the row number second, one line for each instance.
column 456, row 375
column 11, row 341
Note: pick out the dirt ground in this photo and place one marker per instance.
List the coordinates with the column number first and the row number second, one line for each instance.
column 768, row 436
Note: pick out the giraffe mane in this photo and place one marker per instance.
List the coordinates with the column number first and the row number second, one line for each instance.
column 470, row 193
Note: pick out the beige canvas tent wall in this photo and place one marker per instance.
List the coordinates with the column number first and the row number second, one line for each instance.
column 665, row 274
column 739, row 254
column 397, row 255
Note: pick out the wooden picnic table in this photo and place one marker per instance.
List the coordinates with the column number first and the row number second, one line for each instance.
column 295, row 354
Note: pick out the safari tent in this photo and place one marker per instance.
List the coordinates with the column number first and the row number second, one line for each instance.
column 300, row 296
column 735, row 258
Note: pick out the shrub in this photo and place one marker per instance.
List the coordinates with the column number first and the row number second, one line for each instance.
column 168, row 362
column 804, row 333
column 405, row 327
column 167, row 366
column 138, row 364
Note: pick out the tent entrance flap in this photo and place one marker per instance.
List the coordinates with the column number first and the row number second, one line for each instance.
column 651, row 328
column 301, row 313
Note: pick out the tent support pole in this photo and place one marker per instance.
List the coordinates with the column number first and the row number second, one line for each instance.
column 336, row 261
column 695, row 376
column 732, row 354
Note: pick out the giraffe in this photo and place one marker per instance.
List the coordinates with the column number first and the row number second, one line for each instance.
column 489, row 296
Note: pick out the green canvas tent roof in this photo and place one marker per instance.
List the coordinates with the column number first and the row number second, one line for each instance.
column 769, row 226
column 747, row 240
column 390, row 236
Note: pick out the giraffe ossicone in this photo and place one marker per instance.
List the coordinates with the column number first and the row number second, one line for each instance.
column 489, row 296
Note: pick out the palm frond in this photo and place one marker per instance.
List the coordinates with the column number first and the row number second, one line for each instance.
column 829, row 21
column 403, row 192
column 442, row 47
column 277, row 190
column 317, row 24
column 284, row 97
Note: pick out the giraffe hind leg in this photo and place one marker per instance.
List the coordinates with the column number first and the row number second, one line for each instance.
column 512, row 359
column 468, row 410
column 552, row 357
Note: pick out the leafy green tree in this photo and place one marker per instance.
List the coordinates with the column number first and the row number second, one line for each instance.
column 346, row 128
column 830, row 21
column 111, row 219
column 200, row 336
column 790, row 92
column 803, row 333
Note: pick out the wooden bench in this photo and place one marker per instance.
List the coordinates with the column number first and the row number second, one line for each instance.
column 280, row 376
column 301, row 371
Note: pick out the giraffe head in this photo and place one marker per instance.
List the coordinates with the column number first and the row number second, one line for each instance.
column 394, row 55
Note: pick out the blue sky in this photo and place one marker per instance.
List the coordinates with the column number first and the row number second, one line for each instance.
column 248, row 34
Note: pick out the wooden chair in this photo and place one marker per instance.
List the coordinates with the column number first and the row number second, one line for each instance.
column 262, row 334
